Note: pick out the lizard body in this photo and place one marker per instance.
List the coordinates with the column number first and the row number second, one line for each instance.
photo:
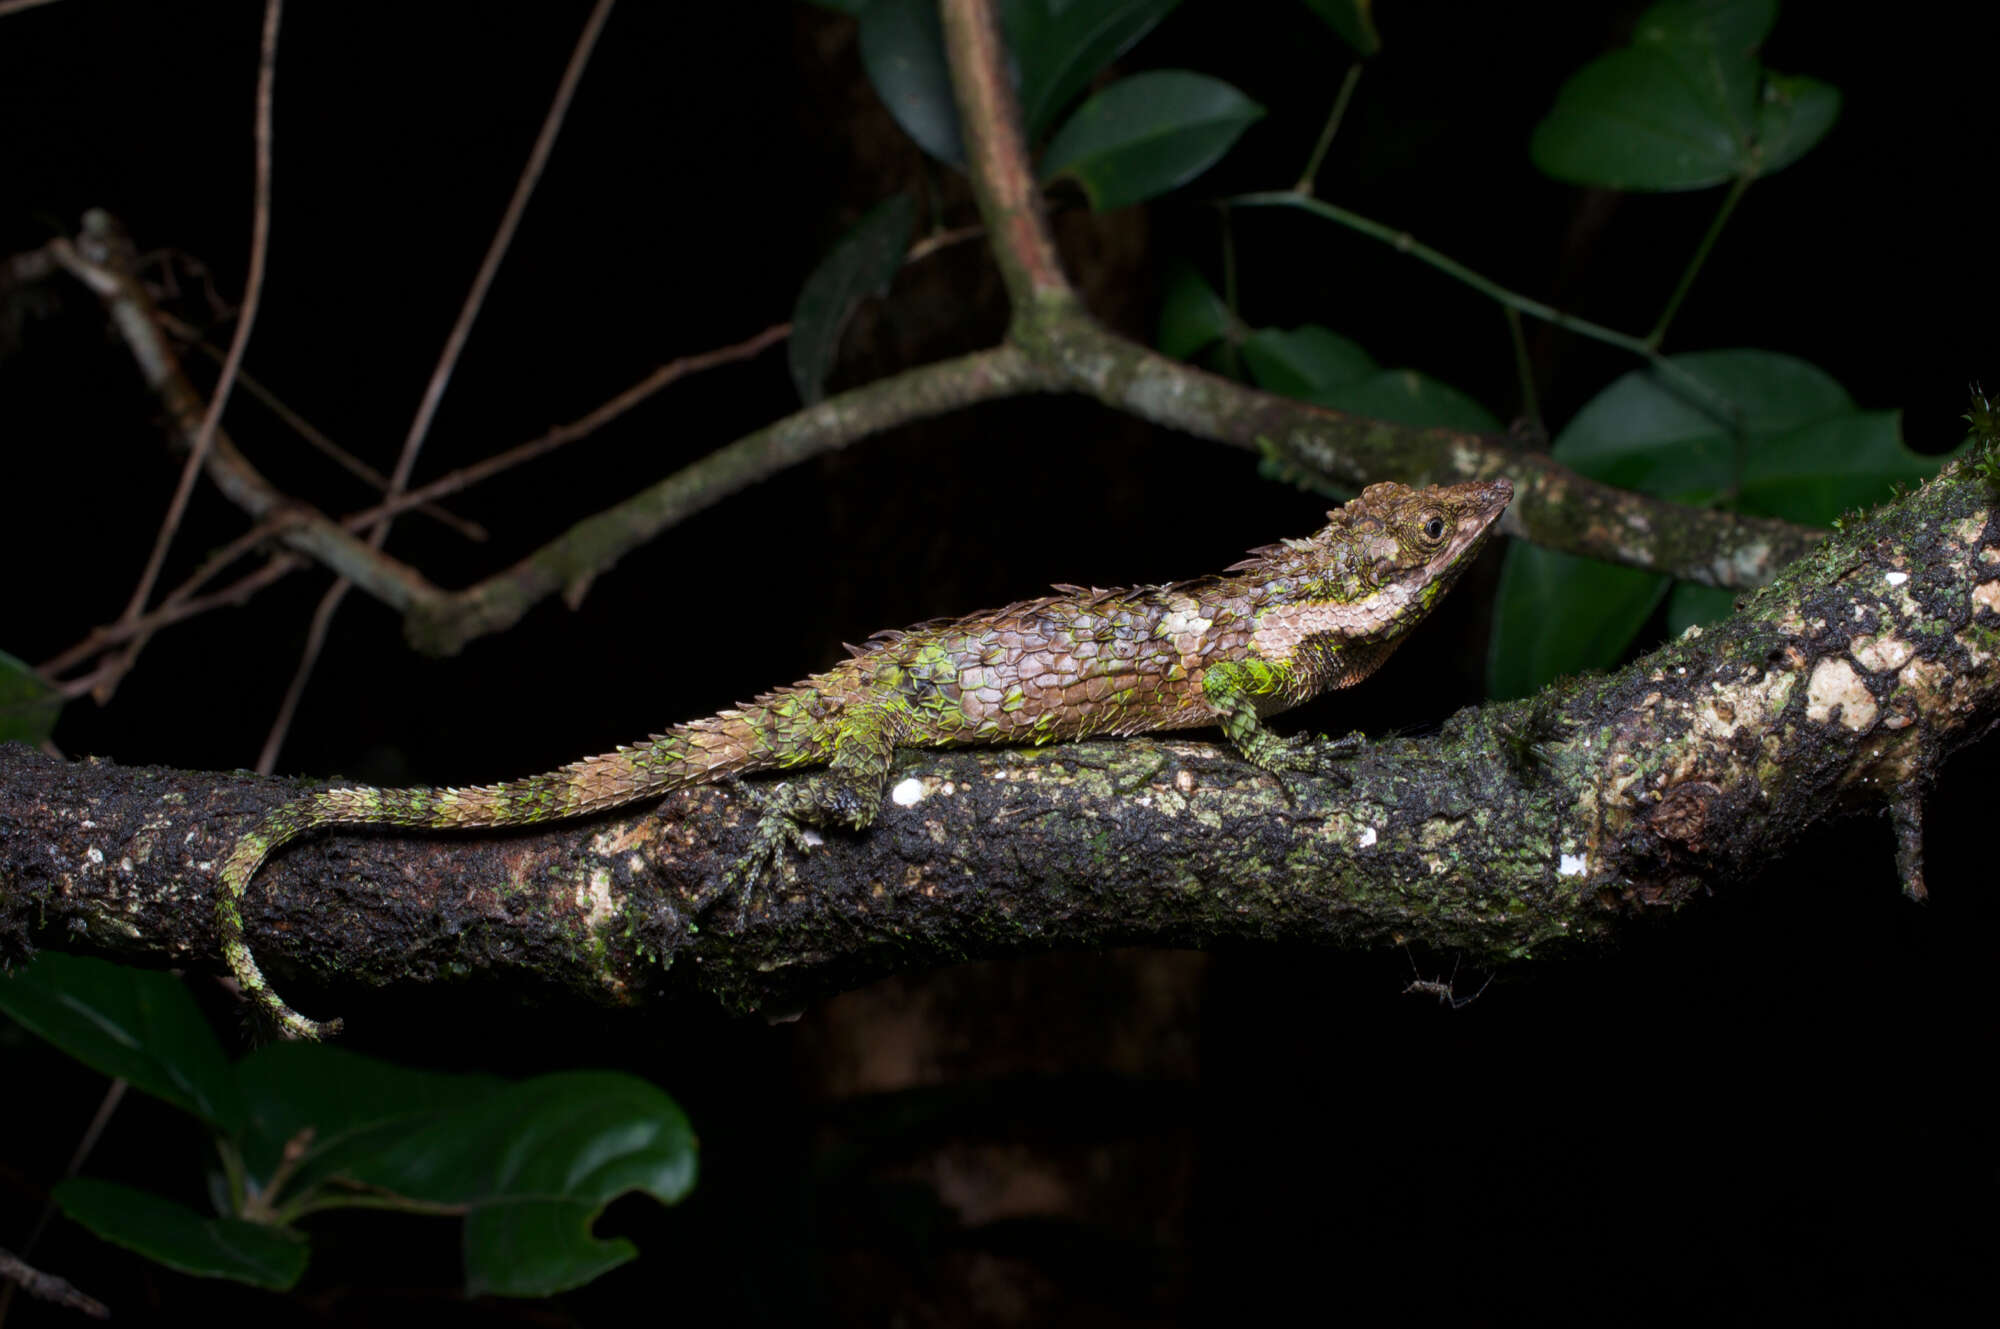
column 1290, row 621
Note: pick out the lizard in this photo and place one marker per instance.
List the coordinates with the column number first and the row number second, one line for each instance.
column 1288, row 622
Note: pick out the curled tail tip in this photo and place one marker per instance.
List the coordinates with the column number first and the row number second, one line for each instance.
column 298, row 1028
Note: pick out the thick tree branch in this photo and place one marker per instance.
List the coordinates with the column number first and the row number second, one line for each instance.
column 1521, row 827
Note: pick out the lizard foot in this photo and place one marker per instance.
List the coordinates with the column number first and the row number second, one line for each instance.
column 775, row 843
column 1312, row 755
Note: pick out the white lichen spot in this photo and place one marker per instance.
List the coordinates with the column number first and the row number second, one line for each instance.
column 94, row 856
column 1895, row 578
column 594, row 898
column 1880, row 654
column 1572, row 865
column 1693, row 631
column 1986, row 595
column 1835, row 685
column 1367, row 837
column 948, row 788
column 907, row 793
column 1184, row 781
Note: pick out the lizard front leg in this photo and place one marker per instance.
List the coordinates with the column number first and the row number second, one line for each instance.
column 849, row 792
column 1234, row 687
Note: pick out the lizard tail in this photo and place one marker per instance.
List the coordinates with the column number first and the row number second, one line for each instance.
column 777, row 730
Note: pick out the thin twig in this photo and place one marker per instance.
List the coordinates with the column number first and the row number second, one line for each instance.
column 942, row 239
column 475, row 300
column 322, row 619
column 1708, row 239
column 124, row 629
column 1333, row 119
column 171, row 612
column 16, row 1272
column 44, row 1285
column 106, row 271
column 312, row 434
column 672, row 371
column 510, row 220
column 1403, row 242
column 253, row 290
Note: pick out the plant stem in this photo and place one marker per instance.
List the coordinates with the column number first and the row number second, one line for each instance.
column 1659, row 332
column 1306, row 177
column 1404, row 242
column 1229, row 359
column 1531, row 406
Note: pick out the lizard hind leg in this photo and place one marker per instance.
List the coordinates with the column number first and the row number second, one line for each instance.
column 848, row 793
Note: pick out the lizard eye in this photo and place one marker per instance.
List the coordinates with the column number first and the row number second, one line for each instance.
column 1434, row 528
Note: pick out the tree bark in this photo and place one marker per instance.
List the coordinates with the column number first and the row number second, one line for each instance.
column 1519, row 829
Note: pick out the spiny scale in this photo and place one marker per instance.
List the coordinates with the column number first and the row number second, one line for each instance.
column 1290, row 621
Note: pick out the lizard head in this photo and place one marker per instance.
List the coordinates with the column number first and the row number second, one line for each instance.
column 1382, row 561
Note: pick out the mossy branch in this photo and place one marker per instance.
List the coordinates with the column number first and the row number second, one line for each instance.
column 1522, row 828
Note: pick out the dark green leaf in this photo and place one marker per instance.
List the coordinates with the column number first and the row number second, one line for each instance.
column 1646, row 433
column 902, row 50
column 1354, row 20
column 1315, row 364
column 354, row 1106
column 1060, row 45
column 133, row 1023
column 861, row 263
column 1731, row 27
column 1687, row 105
column 534, row 1165
column 1632, row 119
column 1815, row 473
column 1304, row 361
column 1408, row 397
column 1148, row 134
column 1192, row 315
column 1559, row 614
column 1796, row 113
column 1691, row 604
column 179, row 1238
column 28, row 706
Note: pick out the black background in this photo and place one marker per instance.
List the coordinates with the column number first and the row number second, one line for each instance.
column 1773, row 1107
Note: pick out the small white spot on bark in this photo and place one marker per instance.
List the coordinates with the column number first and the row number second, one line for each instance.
column 1184, row 781
column 1986, row 595
column 1367, row 837
column 94, row 856
column 1572, row 865
column 1895, row 578
column 1835, row 684
column 908, row 793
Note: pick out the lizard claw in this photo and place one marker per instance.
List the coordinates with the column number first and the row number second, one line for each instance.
column 1312, row 755
column 775, row 842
